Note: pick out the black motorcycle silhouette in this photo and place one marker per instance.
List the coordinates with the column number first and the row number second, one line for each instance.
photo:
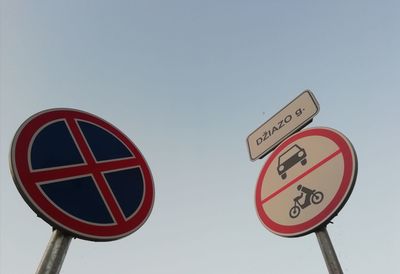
column 312, row 196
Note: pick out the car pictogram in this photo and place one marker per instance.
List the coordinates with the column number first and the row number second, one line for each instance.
column 289, row 158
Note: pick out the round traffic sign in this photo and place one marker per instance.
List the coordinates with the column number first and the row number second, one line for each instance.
column 81, row 174
column 306, row 181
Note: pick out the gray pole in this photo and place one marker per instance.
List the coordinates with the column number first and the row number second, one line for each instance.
column 55, row 253
column 328, row 251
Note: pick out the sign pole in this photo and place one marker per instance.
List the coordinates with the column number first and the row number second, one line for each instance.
column 55, row 253
column 328, row 251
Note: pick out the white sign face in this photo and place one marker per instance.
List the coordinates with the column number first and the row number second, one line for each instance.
column 306, row 181
column 287, row 121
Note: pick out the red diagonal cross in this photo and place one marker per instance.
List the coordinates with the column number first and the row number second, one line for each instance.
column 90, row 168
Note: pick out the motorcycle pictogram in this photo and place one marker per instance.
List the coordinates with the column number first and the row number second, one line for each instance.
column 311, row 196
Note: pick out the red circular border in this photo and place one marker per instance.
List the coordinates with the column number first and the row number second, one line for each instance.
column 41, row 205
column 338, row 201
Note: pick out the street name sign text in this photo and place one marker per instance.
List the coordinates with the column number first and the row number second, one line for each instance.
column 287, row 121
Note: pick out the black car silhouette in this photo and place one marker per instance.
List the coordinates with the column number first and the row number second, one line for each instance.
column 289, row 158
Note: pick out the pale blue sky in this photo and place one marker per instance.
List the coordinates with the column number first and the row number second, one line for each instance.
column 187, row 81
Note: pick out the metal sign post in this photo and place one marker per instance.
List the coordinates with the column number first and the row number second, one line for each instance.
column 331, row 260
column 55, row 253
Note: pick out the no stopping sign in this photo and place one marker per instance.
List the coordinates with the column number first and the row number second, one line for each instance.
column 81, row 174
column 306, row 181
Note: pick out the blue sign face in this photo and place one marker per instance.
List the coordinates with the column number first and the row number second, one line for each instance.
column 81, row 174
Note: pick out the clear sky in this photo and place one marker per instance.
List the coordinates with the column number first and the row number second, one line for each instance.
column 188, row 81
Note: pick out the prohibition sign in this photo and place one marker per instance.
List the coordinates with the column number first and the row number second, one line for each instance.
column 81, row 174
column 306, row 181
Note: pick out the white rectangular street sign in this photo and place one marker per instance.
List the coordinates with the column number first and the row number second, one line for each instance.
column 296, row 115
